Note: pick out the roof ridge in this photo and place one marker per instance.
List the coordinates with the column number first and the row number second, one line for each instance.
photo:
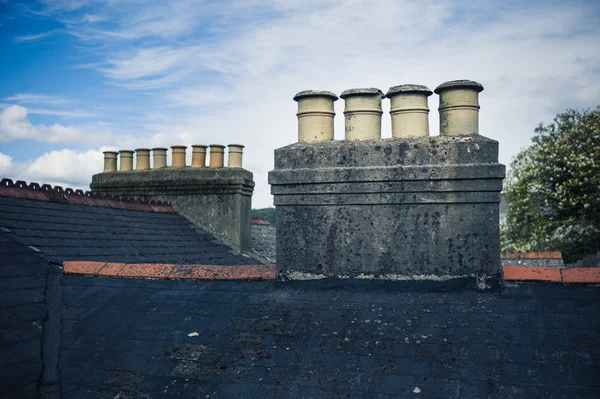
column 45, row 192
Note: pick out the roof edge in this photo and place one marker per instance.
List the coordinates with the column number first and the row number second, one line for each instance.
column 45, row 192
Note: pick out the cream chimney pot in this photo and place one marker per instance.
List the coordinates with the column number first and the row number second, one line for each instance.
column 110, row 161
column 199, row 156
column 142, row 158
column 409, row 110
column 459, row 107
column 126, row 163
column 315, row 115
column 217, row 154
column 178, row 156
column 234, row 159
column 159, row 155
column 363, row 113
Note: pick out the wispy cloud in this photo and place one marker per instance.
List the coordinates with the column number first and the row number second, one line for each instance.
column 36, row 98
column 36, row 36
column 225, row 72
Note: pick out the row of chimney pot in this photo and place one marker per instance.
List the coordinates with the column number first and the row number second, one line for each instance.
column 459, row 111
column 216, row 160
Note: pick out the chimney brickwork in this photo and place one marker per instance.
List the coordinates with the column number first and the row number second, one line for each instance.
column 410, row 207
column 216, row 198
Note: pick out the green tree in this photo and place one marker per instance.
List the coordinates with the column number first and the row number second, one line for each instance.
column 553, row 189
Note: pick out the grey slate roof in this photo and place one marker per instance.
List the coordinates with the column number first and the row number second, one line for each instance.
column 79, row 232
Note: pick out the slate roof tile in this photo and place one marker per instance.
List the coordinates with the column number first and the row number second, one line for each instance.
column 79, row 232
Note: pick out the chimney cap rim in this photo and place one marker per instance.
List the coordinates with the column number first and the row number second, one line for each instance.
column 216, row 145
column 199, row 146
column 408, row 88
column 126, row 151
column 459, row 84
column 110, row 152
column 142, row 149
column 179, row 146
column 364, row 91
column 315, row 93
column 236, row 145
column 160, row 149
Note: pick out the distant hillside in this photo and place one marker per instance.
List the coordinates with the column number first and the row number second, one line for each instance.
column 269, row 213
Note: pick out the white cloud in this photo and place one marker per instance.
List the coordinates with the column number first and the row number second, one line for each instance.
column 35, row 98
column 227, row 73
column 35, row 37
column 14, row 125
column 5, row 164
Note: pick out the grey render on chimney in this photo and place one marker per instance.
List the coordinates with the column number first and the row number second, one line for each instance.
column 218, row 200
column 400, row 208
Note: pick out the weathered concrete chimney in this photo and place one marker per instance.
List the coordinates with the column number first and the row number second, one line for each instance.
column 234, row 160
column 142, row 159
column 178, row 156
column 315, row 115
column 217, row 156
column 159, row 157
column 406, row 208
column 363, row 113
column 110, row 161
column 126, row 160
column 459, row 107
column 409, row 110
column 217, row 199
column 199, row 156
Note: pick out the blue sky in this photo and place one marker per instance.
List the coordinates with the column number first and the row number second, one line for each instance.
column 81, row 76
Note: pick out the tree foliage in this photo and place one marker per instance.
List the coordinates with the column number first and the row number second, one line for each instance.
column 553, row 188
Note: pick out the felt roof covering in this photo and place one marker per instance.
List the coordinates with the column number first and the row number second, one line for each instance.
column 101, row 336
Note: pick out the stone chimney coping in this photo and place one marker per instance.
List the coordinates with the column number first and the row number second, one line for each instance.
column 408, row 88
column 315, row 93
column 361, row 91
column 459, row 84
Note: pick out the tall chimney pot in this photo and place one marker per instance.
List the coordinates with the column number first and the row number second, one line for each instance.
column 315, row 115
column 459, row 107
column 178, row 156
column 159, row 155
column 217, row 154
column 142, row 158
column 234, row 159
column 409, row 110
column 126, row 160
column 110, row 161
column 363, row 113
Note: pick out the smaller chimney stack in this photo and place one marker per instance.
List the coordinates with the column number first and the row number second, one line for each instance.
column 315, row 115
column 459, row 107
column 126, row 163
column 110, row 161
column 142, row 158
column 198, row 156
column 234, row 160
column 363, row 113
column 178, row 156
column 217, row 154
column 409, row 110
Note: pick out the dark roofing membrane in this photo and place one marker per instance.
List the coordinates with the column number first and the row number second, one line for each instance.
column 129, row 338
